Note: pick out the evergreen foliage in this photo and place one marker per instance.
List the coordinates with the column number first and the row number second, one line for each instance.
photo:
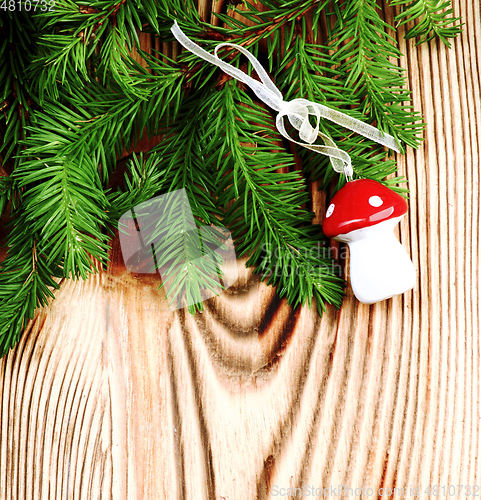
column 74, row 101
column 433, row 18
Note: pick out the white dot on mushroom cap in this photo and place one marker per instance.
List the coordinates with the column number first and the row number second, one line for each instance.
column 330, row 210
column 375, row 201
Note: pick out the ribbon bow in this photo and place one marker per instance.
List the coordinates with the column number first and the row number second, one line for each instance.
column 297, row 110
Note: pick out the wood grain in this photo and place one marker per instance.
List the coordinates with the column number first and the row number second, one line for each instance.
column 112, row 396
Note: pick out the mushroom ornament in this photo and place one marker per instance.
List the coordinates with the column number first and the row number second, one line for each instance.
column 363, row 214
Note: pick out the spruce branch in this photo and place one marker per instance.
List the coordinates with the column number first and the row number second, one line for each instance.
column 17, row 95
column 63, row 200
column 143, row 180
column 433, row 18
column 95, row 34
column 308, row 70
column 181, row 253
column 182, row 154
column 9, row 192
column 366, row 48
column 26, row 283
column 266, row 218
column 113, row 121
column 178, row 162
column 266, row 21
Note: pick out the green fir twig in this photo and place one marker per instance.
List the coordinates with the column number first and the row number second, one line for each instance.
column 432, row 18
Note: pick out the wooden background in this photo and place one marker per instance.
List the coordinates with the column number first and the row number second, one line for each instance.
column 112, row 396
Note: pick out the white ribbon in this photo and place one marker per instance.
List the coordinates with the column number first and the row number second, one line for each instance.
column 297, row 110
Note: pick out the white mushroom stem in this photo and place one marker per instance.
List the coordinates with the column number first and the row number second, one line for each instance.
column 379, row 266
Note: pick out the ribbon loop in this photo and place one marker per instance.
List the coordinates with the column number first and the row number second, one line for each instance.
column 297, row 110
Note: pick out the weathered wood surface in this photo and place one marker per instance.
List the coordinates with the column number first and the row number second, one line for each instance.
column 112, row 396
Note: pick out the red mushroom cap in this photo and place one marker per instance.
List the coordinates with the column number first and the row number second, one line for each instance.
column 361, row 203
